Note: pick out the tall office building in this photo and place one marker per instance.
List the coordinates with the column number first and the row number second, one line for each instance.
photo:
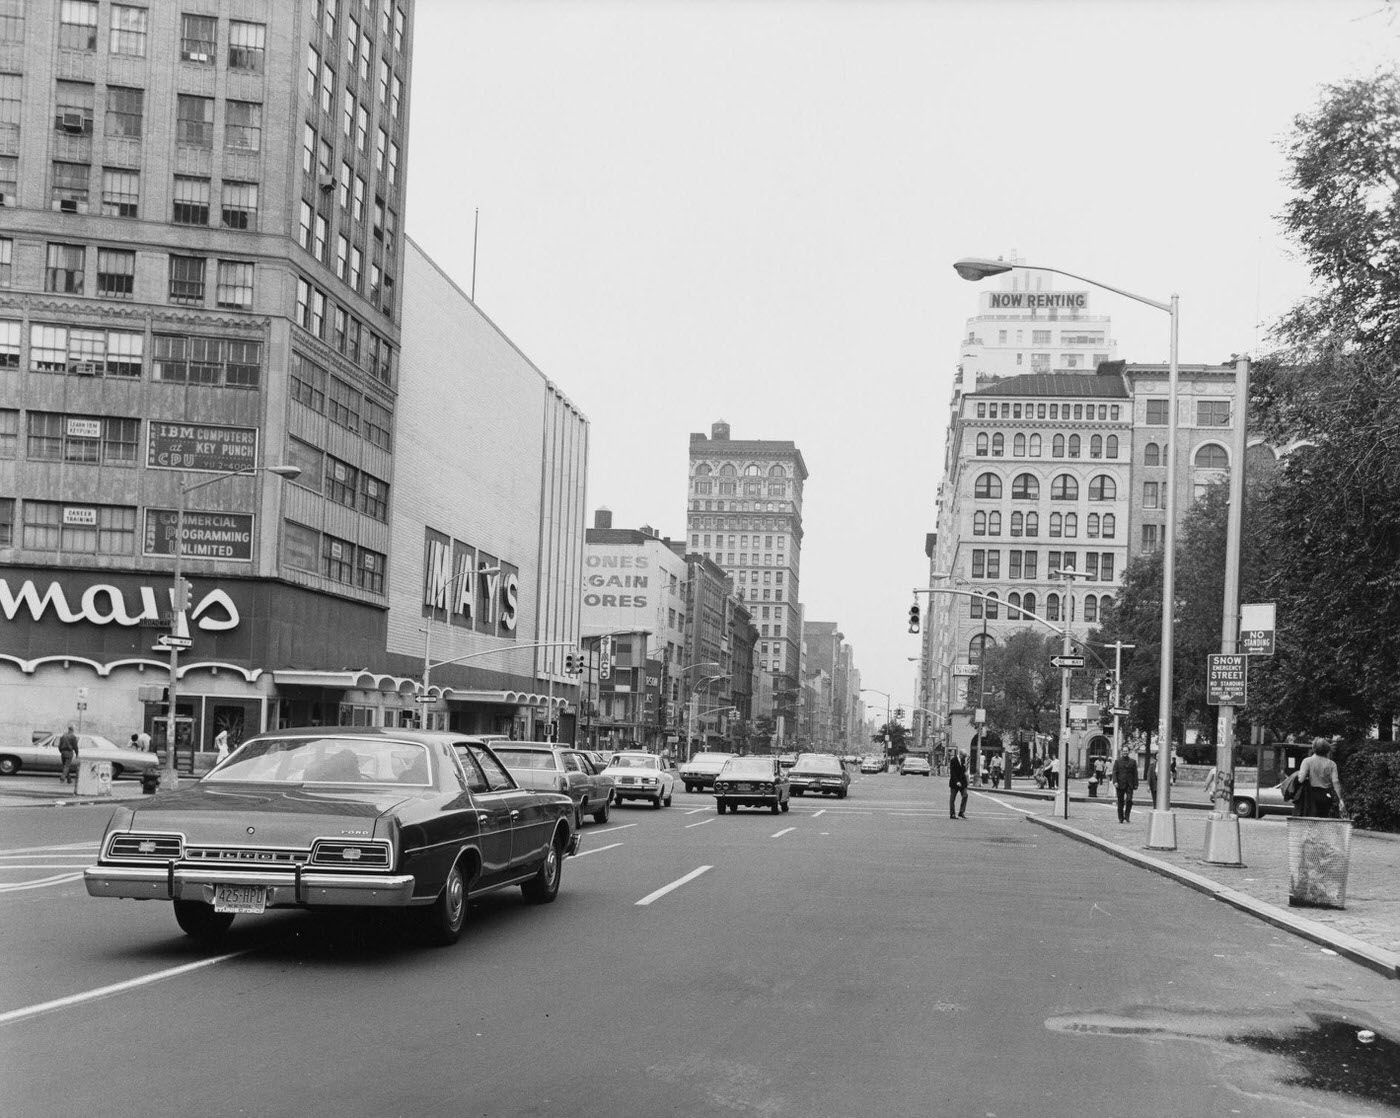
column 745, row 514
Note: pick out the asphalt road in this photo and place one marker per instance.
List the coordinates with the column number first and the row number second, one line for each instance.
column 866, row 957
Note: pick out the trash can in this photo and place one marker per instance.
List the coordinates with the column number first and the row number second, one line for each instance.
column 1319, row 851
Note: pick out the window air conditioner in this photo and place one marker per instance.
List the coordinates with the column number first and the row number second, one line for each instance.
column 83, row 368
column 7, row 199
column 192, row 56
column 326, row 183
column 73, row 122
column 67, row 206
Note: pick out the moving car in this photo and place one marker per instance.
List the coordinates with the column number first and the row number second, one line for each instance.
column 752, row 782
column 42, row 756
column 787, row 760
column 641, row 776
column 700, row 771
column 326, row 817
column 819, row 772
column 872, row 765
column 915, row 766
column 548, row 767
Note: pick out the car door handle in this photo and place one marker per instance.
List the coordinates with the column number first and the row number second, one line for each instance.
column 514, row 814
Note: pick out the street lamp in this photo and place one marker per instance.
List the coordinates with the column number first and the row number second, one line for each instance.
column 690, row 709
column 445, row 595
column 179, row 602
column 1062, row 784
column 1161, row 833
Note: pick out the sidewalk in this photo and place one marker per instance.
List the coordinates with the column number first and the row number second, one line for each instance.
column 1366, row 931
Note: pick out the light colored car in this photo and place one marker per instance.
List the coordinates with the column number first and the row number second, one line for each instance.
column 641, row 776
column 700, row 771
column 872, row 765
column 547, row 767
column 42, row 756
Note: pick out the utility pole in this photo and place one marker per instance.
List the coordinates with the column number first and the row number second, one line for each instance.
column 1118, row 647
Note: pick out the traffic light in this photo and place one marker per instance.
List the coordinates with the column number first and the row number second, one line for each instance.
column 914, row 618
column 180, row 595
column 573, row 663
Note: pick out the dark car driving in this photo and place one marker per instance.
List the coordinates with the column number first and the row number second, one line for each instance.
column 819, row 772
column 752, row 782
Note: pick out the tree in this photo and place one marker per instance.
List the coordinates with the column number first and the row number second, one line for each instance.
column 894, row 737
column 1023, row 689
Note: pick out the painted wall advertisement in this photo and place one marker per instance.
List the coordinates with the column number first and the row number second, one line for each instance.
column 206, row 535
column 201, row 446
column 469, row 587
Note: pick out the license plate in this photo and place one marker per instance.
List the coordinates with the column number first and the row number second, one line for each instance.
column 240, row 898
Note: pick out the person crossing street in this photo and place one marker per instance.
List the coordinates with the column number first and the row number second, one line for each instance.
column 957, row 783
column 1125, row 780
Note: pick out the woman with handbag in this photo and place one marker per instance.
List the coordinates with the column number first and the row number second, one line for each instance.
column 1319, row 784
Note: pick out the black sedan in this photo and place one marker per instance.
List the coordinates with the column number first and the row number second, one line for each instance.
column 752, row 782
column 819, row 772
column 339, row 817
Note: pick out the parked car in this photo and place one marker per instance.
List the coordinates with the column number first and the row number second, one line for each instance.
column 752, row 782
column 641, row 776
column 700, row 771
column 547, row 767
column 819, row 772
column 41, row 755
column 787, row 760
column 915, row 766
column 872, row 765
column 339, row 817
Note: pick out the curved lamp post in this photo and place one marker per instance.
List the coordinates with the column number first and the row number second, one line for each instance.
column 1161, row 833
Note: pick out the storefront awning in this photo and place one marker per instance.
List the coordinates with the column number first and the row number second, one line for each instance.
column 507, row 698
column 362, row 680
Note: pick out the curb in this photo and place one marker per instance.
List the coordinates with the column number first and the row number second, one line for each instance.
column 1358, row 951
column 1049, row 797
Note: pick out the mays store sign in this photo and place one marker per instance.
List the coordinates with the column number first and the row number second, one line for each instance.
column 468, row 586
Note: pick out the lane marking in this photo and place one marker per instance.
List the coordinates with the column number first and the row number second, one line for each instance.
column 700, row 824
column 691, row 876
column 39, row 866
column 595, row 850
column 610, row 830
column 48, row 849
column 784, row 831
column 815, row 814
column 116, row 988
column 697, row 810
column 41, row 883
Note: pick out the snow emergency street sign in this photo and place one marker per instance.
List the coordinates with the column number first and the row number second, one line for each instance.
column 1226, row 679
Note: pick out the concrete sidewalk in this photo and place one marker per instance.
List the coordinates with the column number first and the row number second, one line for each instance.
column 1366, row 931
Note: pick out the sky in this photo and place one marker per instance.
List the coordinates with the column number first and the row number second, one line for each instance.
column 748, row 211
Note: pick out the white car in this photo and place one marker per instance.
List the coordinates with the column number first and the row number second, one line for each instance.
column 700, row 771
column 641, row 776
column 43, row 756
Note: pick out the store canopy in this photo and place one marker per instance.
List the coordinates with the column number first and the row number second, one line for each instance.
column 364, row 680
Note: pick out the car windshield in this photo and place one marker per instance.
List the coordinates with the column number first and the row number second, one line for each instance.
column 327, row 760
column 709, row 759
column 748, row 767
column 818, row 763
column 525, row 758
column 633, row 761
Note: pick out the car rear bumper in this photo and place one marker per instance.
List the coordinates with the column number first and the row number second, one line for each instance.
column 162, row 883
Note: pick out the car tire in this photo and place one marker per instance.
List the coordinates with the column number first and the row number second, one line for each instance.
column 656, row 803
column 670, row 797
column 601, row 815
column 840, row 795
column 9, row 766
column 445, row 918
column 719, row 806
column 544, row 886
column 1244, row 808
column 690, row 788
column 200, row 922
column 116, row 770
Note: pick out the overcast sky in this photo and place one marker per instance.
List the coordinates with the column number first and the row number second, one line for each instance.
column 748, row 211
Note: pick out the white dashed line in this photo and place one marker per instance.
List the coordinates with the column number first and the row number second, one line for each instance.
column 691, row 876
column 785, row 830
column 611, row 830
column 817, row 813
column 700, row 824
column 596, row 850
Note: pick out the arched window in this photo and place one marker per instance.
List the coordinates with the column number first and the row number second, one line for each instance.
column 1212, row 456
column 992, row 605
column 1152, row 455
column 1064, row 488
column 979, row 523
column 1071, row 525
column 1028, row 603
column 1110, row 523
column 702, row 470
column 1013, row 606
column 988, row 487
column 1091, row 608
column 977, row 645
column 1102, row 488
column 1057, row 525
column 1057, row 446
column 1032, row 524
column 1018, row 446
column 998, row 445
column 1111, row 448
column 1091, row 528
column 1052, row 607
column 1074, row 446
column 1025, row 487
column 983, row 443
column 1018, row 523
column 728, row 470
column 777, row 471
column 1096, row 447
column 1035, row 442
column 994, row 524
column 751, row 470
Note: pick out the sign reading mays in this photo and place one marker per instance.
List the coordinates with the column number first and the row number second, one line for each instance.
column 1038, row 300
column 476, row 590
column 207, row 535
column 201, row 446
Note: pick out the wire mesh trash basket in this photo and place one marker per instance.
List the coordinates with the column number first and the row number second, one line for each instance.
column 1319, row 851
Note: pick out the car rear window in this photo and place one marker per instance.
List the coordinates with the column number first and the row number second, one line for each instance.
column 327, row 760
column 525, row 758
column 749, row 767
column 633, row 761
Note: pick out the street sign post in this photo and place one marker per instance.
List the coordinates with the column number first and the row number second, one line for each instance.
column 165, row 642
column 1226, row 679
column 1067, row 661
column 1118, row 712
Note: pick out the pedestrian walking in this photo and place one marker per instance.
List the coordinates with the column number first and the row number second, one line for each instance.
column 220, row 746
column 1319, row 784
column 68, row 755
column 143, row 742
column 1152, row 778
column 957, row 783
column 1125, row 781
column 1052, row 772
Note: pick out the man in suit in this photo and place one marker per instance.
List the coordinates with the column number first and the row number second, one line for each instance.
column 957, row 783
column 1125, row 780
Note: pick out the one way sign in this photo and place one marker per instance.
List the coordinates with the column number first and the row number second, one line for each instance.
column 1067, row 661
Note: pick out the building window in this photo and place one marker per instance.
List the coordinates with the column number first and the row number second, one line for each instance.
column 1092, row 527
column 194, row 121
column 308, row 383
column 1057, row 525
column 187, row 279
column 242, row 126
column 234, row 289
column 1074, row 446
column 1150, row 491
column 126, row 110
column 1096, row 447
column 7, row 249
column 121, row 193
column 84, row 439
column 10, row 85
column 998, row 445
column 66, row 265
column 1156, row 413
column 344, row 403
column 1018, row 524
column 1057, row 447
column 116, row 273
column 246, row 46
column 374, row 498
column 987, row 487
column 1212, row 413
column 1018, row 446
column 113, row 533
column 369, row 570
column 994, row 524
column 1025, row 487
column 1064, row 488
column 1013, row 564
column 1149, row 537
column 1106, row 566
column 1032, row 524
column 128, row 35
column 1212, row 456
column 70, row 187
column 979, row 524
column 979, row 562
column 1151, row 455
column 338, row 559
column 198, row 38
column 341, row 482
column 240, row 205
column 1111, row 447
column 1102, row 488
column 1031, row 560
column 77, row 25
column 379, row 424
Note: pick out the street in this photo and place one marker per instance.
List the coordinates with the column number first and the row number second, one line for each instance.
column 866, row 956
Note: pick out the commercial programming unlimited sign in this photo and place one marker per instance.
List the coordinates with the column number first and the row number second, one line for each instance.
column 201, row 446
column 207, row 535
